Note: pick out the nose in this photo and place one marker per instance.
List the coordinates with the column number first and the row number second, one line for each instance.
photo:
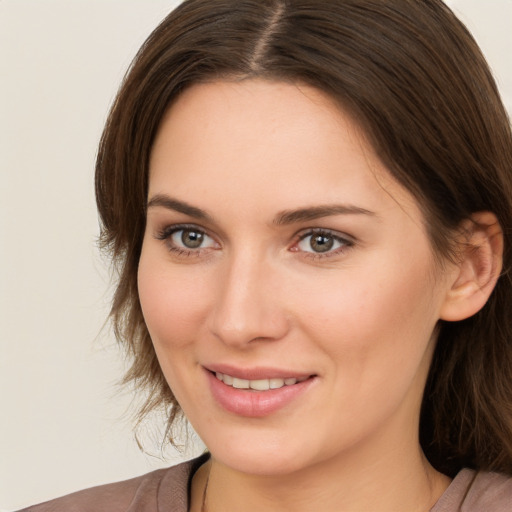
column 248, row 307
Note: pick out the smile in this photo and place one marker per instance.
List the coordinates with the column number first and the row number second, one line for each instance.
column 259, row 384
column 257, row 397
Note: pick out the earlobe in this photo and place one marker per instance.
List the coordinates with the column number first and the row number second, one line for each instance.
column 478, row 268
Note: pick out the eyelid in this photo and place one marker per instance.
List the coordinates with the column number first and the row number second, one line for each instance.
column 169, row 229
column 344, row 237
column 166, row 232
column 346, row 241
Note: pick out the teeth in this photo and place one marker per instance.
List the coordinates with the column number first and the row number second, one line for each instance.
column 276, row 383
column 240, row 383
column 258, row 385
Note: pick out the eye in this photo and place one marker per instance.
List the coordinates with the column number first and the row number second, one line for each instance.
column 186, row 239
column 320, row 242
column 191, row 239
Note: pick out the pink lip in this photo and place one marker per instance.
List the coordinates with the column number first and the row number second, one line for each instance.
column 260, row 372
column 254, row 404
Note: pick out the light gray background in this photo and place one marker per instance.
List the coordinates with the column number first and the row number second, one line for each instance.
column 63, row 420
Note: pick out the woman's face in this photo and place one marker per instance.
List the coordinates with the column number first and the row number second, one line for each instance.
column 280, row 255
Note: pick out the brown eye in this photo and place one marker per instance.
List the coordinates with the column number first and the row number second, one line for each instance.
column 322, row 242
column 191, row 239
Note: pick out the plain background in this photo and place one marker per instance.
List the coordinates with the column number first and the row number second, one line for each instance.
column 64, row 422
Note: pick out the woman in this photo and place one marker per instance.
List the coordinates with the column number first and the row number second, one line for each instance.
column 310, row 207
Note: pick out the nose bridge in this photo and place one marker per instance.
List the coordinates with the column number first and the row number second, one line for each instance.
column 247, row 307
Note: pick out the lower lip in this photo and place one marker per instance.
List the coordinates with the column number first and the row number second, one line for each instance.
column 255, row 404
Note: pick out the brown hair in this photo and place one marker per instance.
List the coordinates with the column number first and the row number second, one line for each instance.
column 413, row 77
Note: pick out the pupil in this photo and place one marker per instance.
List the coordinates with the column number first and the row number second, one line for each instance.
column 192, row 239
column 322, row 243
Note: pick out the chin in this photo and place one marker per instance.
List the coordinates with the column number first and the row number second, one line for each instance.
column 264, row 453
column 270, row 463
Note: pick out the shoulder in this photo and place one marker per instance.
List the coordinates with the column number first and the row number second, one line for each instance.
column 473, row 491
column 491, row 492
column 146, row 493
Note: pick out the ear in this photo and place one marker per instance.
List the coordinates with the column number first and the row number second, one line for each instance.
column 478, row 268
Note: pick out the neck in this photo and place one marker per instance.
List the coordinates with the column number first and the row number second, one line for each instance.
column 367, row 491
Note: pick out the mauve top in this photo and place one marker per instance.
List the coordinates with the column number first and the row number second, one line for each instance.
column 167, row 490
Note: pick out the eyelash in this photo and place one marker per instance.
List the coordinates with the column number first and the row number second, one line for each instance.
column 167, row 232
column 344, row 241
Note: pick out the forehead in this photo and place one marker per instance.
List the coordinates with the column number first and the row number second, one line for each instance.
column 273, row 143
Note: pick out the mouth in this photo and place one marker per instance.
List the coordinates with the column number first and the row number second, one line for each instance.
column 257, row 392
column 258, row 384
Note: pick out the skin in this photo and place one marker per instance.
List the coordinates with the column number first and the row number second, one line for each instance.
column 359, row 318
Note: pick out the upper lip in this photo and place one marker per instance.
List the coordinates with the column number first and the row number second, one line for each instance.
column 257, row 372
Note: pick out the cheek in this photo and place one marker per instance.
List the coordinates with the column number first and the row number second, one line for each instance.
column 375, row 334
column 173, row 304
column 373, row 320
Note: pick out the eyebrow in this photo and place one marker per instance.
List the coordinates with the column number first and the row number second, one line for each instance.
column 178, row 206
column 282, row 218
column 316, row 212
